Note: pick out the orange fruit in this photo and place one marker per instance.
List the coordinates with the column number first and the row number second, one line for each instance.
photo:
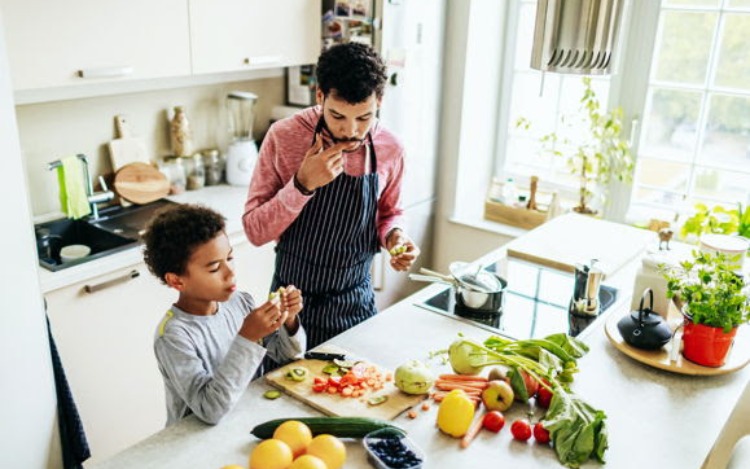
column 271, row 454
column 328, row 448
column 295, row 434
column 308, row 461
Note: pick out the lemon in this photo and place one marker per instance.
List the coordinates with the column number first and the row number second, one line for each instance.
column 328, row 448
column 295, row 434
column 308, row 461
column 271, row 454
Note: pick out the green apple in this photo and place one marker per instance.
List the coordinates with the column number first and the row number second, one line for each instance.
column 498, row 395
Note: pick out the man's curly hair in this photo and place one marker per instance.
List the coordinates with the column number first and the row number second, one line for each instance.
column 354, row 70
column 173, row 234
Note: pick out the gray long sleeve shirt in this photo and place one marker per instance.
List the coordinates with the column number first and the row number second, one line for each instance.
column 206, row 365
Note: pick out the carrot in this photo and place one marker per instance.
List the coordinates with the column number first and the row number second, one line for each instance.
column 411, row 414
column 447, row 386
column 473, row 431
column 462, row 378
column 425, row 406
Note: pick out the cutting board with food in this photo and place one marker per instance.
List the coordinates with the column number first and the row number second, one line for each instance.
column 140, row 183
column 572, row 239
column 352, row 387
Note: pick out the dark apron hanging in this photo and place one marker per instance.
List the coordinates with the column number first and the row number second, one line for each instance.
column 328, row 250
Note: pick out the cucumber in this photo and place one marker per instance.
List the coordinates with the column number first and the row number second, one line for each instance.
column 342, row 427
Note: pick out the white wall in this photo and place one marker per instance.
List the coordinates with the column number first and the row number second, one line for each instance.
column 470, row 105
column 51, row 130
column 27, row 401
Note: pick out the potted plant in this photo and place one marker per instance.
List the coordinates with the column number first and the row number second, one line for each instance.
column 602, row 155
column 714, row 304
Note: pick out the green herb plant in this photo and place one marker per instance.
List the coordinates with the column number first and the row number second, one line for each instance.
column 604, row 154
column 711, row 293
column 578, row 431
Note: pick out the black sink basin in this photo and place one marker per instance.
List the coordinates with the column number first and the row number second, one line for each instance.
column 129, row 221
column 53, row 236
column 116, row 229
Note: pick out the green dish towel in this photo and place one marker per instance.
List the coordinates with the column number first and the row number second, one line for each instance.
column 73, row 199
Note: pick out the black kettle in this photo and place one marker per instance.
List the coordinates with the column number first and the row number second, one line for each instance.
column 645, row 329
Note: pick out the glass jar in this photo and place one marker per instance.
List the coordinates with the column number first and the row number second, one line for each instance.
column 174, row 170
column 213, row 165
column 196, row 177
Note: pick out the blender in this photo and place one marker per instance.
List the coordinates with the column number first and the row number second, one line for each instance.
column 242, row 152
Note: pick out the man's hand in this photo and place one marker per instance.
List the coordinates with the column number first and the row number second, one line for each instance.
column 291, row 302
column 402, row 249
column 322, row 166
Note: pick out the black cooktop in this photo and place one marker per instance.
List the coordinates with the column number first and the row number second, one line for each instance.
column 535, row 305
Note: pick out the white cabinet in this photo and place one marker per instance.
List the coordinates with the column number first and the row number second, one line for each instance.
column 49, row 43
column 235, row 35
column 105, row 340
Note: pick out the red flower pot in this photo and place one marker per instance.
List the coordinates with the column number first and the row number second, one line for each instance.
column 706, row 345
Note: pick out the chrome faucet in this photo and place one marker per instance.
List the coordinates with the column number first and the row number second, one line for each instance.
column 94, row 198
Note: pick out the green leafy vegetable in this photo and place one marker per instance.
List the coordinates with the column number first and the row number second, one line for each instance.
column 578, row 431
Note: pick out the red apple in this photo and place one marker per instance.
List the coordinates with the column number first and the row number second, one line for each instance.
column 498, row 395
column 493, row 421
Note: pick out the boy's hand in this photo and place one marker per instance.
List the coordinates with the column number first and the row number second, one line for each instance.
column 402, row 249
column 291, row 302
column 263, row 321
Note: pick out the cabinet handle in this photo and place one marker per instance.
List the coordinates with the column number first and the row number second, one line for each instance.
column 262, row 60
column 105, row 72
column 109, row 283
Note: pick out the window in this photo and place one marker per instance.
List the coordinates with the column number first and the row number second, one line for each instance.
column 692, row 98
column 542, row 100
column 695, row 142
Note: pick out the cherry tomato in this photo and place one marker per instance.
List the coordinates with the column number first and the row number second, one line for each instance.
column 521, row 429
column 493, row 421
column 544, row 397
column 541, row 435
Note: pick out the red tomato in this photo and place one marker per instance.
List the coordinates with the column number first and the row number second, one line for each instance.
column 319, row 387
column 544, row 397
column 541, row 435
column 493, row 421
column 521, row 429
column 334, row 382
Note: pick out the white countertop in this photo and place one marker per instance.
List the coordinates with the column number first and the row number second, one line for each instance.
column 655, row 419
column 227, row 200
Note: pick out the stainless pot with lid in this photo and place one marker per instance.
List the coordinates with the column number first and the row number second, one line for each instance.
column 475, row 288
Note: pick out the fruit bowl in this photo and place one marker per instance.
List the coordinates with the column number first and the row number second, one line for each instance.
column 389, row 448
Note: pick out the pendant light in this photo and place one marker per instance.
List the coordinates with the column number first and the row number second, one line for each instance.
column 576, row 36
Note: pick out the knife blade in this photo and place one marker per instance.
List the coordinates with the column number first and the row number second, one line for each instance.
column 310, row 355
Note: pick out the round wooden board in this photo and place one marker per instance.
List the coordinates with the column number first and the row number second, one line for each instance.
column 141, row 183
column 738, row 357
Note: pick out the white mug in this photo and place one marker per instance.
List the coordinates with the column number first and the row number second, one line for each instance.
column 734, row 247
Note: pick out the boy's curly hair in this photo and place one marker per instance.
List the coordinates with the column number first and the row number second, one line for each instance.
column 173, row 234
column 354, row 70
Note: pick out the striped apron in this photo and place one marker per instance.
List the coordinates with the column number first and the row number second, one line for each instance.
column 327, row 252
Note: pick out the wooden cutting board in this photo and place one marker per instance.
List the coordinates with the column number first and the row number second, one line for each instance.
column 140, row 183
column 336, row 405
column 571, row 238
column 126, row 148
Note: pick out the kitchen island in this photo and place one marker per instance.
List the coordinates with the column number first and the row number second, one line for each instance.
column 655, row 419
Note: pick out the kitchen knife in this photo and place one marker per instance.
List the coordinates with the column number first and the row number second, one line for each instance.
column 324, row 356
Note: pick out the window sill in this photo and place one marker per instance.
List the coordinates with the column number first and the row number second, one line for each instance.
column 480, row 223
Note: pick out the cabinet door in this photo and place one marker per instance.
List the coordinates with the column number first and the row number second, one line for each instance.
column 49, row 43
column 232, row 35
column 105, row 340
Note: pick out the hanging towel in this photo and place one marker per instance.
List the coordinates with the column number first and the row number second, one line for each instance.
column 75, row 447
column 73, row 199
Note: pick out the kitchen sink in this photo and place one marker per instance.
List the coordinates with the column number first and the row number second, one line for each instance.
column 116, row 229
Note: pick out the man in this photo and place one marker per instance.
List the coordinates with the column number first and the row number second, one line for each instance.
column 327, row 186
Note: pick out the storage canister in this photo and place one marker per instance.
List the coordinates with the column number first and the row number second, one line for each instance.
column 649, row 276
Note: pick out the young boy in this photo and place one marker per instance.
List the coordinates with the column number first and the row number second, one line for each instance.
column 208, row 343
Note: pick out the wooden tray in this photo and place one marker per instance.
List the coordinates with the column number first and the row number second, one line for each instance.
column 739, row 355
column 333, row 404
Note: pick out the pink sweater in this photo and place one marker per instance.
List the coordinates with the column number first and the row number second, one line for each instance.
column 273, row 202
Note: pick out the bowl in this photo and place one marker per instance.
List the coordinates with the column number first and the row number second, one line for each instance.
column 390, row 448
column 74, row 252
